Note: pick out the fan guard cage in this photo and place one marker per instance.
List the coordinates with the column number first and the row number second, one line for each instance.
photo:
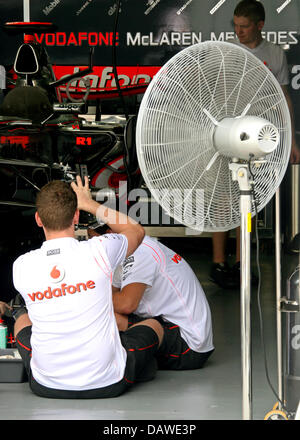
column 175, row 137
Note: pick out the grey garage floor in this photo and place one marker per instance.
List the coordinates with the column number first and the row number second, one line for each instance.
column 213, row 393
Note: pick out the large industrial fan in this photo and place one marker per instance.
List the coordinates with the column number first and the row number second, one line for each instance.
column 213, row 144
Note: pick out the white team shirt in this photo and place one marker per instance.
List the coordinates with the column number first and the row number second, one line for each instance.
column 66, row 285
column 273, row 57
column 173, row 291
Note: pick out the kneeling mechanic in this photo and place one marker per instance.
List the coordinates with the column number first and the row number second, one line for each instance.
column 157, row 282
column 69, row 339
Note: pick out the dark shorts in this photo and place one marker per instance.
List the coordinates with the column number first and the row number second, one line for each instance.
column 174, row 353
column 141, row 344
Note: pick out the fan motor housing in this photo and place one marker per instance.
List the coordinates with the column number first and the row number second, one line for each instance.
column 245, row 137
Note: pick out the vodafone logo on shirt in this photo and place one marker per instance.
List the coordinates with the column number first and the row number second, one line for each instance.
column 267, row 65
column 176, row 258
column 57, row 273
column 62, row 290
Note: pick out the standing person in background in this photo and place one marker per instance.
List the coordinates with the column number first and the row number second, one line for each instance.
column 249, row 20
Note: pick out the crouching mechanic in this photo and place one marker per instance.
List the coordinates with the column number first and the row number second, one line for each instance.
column 156, row 282
column 69, row 340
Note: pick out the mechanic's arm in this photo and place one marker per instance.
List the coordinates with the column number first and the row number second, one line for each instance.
column 117, row 221
column 295, row 152
column 127, row 300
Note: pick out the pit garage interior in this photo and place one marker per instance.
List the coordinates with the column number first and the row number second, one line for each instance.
column 215, row 391
column 211, row 393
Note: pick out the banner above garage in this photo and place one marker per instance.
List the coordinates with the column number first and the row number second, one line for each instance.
column 146, row 32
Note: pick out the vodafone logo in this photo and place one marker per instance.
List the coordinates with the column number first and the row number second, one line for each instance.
column 176, row 258
column 57, row 273
column 267, row 65
column 61, row 290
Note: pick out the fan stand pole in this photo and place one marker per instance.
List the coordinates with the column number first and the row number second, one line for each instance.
column 278, row 298
column 240, row 173
column 245, row 207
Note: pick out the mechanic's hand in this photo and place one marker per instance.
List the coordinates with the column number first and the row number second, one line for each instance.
column 82, row 191
column 3, row 307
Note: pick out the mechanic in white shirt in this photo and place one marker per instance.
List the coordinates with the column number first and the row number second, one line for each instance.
column 157, row 282
column 69, row 339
